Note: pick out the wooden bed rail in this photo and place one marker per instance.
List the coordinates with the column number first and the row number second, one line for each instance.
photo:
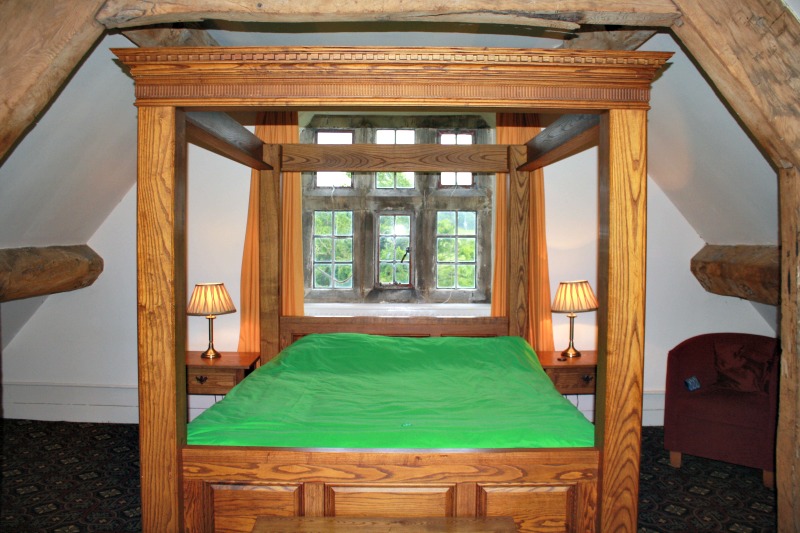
column 294, row 327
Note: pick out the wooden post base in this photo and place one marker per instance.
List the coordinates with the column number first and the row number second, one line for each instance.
column 675, row 459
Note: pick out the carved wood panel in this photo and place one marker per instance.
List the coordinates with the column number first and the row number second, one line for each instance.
column 237, row 506
column 407, row 500
column 535, row 507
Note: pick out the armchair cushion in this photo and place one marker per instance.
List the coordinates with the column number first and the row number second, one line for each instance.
column 741, row 366
column 715, row 405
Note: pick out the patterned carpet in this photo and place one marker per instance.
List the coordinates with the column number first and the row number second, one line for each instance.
column 703, row 495
column 65, row 477
column 70, row 477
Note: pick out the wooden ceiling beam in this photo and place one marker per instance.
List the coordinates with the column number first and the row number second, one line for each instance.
column 748, row 48
column 28, row 272
column 188, row 35
column 566, row 136
column 743, row 271
column 608, row 38
column 787, row 460
column 542, row 13
column 221, row 134
column 40, row 44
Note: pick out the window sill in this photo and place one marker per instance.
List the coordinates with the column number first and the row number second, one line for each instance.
column 391, row 310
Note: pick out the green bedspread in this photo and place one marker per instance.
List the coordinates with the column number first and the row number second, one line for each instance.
column 349, row 390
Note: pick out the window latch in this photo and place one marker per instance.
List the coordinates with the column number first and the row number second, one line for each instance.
column 408, row 251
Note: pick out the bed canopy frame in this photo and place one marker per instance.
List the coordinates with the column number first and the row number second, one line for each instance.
column 196, row 488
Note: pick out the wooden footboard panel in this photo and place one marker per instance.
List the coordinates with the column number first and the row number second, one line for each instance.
column 554, row 490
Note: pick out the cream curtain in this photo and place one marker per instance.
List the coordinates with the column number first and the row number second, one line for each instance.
column 517, row 128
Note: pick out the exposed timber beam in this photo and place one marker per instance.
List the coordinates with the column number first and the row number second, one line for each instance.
column 188, row 35
column 567, row 136
column 787, row 460
column 221, row 134
column 27, row 272
column 743, row 271
column 606, row 38
column 749, row 50
column 395, row 157
column 542, row 13
column 40, row 44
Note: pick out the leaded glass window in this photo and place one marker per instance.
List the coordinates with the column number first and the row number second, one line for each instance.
column 333, row 249
column 456, row 253
column 394, row 250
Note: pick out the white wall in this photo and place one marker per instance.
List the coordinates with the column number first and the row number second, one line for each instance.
column 75, row 359
column 677, row 306
column 218, row 194
column 703, row 160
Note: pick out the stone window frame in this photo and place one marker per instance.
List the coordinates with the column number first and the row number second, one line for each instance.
column 422, row 202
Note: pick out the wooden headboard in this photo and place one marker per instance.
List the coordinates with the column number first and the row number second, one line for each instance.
column 295, row 327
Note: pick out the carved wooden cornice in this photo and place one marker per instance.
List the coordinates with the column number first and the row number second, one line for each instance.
column 396, row 77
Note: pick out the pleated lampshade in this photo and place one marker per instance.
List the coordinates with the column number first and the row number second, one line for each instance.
column 210, row 299
column 574, row 297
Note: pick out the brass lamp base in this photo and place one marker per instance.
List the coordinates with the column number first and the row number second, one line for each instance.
column 211, row 353
column 571, row 352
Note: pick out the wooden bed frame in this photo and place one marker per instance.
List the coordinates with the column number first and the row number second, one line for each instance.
column 180, row 91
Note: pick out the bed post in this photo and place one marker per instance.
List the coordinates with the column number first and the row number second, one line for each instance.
column 519, row 187
column 270, row 252
column 161, row 264
column 621, row 290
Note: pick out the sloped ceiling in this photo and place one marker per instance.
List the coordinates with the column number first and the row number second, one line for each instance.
column 77, row 162
column 703, row 160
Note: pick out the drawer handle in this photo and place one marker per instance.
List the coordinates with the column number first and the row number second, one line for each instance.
column 201, row 379
column 587, row 378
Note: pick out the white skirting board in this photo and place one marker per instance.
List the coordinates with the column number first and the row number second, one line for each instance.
column 100, row 403
column 652, row 407
column 71, row 403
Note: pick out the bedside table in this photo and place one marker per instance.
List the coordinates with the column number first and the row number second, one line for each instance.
column 218, row 376
column 575, row 375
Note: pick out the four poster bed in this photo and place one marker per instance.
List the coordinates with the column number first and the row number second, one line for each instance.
column 206, row 487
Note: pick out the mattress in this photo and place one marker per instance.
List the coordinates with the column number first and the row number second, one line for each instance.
column 348, row 390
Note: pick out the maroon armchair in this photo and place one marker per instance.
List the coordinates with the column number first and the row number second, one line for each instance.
column 732, row 416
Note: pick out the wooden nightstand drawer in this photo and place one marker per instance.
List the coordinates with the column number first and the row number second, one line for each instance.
column 211, row 380
column 575, row 375
column 220, row 375
column 573, row 380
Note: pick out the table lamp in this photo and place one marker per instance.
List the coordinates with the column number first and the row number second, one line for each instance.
column 573, row 297
column 209, row 300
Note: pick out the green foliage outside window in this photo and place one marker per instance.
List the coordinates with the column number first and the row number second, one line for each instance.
column 333, row 250
column 456, row 254
column 394, row 248
column 394, row 180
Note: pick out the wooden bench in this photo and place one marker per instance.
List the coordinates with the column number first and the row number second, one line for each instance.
column 336, row 524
